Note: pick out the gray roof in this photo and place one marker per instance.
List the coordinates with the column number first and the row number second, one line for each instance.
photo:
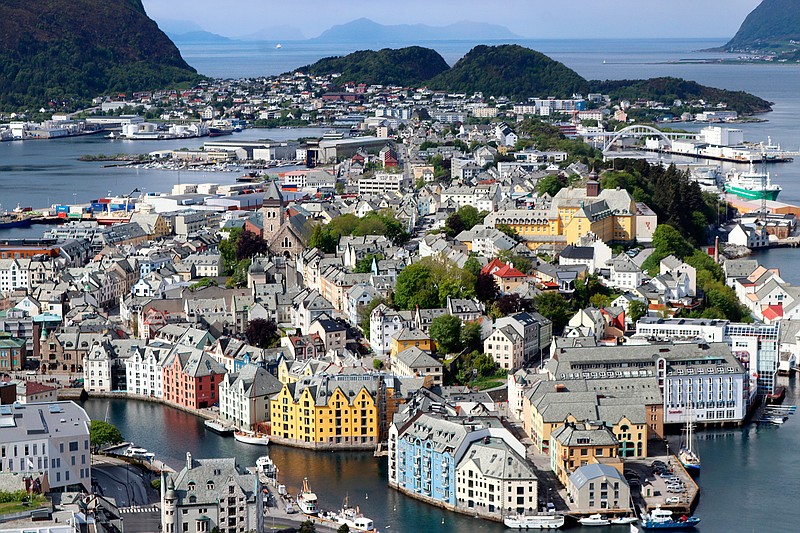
column 210, row 479
column 577, row 252
column 586, row 473
column 579, row 435
column 257, row 382
column 497, row 460
column 415, row 358
column 23, row 422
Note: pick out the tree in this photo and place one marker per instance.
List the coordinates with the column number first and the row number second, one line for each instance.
column 473, row 266
column 364, row 265
column 668, row 240
column 339, row 187
column 486, row 288
column 454, row 225
column 554, row 306
column 508, row 230
column 549, row 185
column 471, row 217
column 471, row 336
column 103, row 434
column 508, row 304
column 446, row 331
column 636, row 310
column 377, row 364
column 261, row 332
column 323, row 239
column 414, row 288
column 249, row 245
column 227, row 249
column 521, row 263
column 307, row 527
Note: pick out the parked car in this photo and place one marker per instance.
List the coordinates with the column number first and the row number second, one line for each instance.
column 672, row 500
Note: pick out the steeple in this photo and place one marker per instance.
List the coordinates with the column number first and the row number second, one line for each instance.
column 273, row 209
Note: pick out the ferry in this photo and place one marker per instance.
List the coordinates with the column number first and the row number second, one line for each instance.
column 660, row 518
column 595, row 520
column 138, row 453
column 752, row 185
column 256, row 439
column 352, row 517
column 307, row 500
column 537, row 521
column 218, row 427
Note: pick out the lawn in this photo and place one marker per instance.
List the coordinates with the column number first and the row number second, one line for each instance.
column 18, row 507
column 489, row 382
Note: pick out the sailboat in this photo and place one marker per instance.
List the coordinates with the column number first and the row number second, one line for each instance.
column 688, row 454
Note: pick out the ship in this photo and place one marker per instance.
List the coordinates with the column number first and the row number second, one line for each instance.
column 218, row 427
column 660, row 518
column 534, row 521
column 14, row 220
column 352, row 518
column 251, row 438
column 752, row 185
column 266, row 466
column 688, row 454
column 307, row 500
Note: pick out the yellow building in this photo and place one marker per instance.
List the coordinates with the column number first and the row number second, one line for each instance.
column 575, row 445
column 571, row 213
column 411, row 338
column 329, row 412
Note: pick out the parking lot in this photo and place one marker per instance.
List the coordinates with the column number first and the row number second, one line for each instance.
column 661, row 481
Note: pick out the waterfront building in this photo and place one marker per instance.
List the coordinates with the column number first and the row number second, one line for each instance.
column 211, row 495
column 143, row 372
column 191, row 378
column 244, row 396
column 322, row 411
column 97, row 368
column 598, row 488
column 13, row 353
column 706, row 377
column 47, row 440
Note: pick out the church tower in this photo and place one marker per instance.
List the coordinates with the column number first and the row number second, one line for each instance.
column 273, row 210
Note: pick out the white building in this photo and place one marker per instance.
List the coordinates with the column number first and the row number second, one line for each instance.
column 383, row 323
column 97, row 369
column 48, row 440
column 143, row 371
column 506, row 347
column 749, row 236
column 381, row 183
column 244, row 396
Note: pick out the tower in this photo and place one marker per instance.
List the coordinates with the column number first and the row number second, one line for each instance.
column 273, row 210
column 168, row 498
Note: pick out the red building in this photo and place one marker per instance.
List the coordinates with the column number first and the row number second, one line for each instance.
column 192, row 378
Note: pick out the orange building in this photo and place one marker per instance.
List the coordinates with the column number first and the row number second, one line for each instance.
column 191, row 378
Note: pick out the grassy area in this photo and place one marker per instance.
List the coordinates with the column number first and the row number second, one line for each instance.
column 18, row 507
column 489, row 382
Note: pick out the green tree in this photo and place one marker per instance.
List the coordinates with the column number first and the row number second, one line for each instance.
column 473, row 266
column 446, row 331
column 636, row 310
column 521, row 263
column 549, row 185
column 227, row 249
column 364, row 265
column 414, row 287
column 339, row 187
column 103, row 434
column 323, row 239
column 471, row 336
column 377, row 364
column 555, row 307
column 508, row 230
column 307, row 527
column 471, row 217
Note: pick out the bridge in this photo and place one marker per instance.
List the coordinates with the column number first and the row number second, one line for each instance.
column 641, row 132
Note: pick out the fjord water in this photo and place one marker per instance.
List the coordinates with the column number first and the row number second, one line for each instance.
column 749, row 478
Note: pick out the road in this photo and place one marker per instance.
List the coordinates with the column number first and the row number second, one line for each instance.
column 126, row 484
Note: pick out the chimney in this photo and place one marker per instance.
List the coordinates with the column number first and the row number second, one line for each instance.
column 188, row 460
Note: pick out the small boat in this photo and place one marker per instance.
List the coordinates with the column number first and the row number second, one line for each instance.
column 111, row 135
column 776, row 420
column 251, row 438
column 537, row 521
column 138, row 453
column 623, row 520
column 307, row 500
column 217, row 426
column 595, row 520
column 278, row 46
column 660, row 518
column 352, row 517
column 265, row 465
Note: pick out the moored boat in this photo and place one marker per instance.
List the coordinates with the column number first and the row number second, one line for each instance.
column 537, row 521
column 218, row 427
column 688, row 454
column 352, row 518
column 595, row 520
column 307, row 500
column 251, row 438
column 265, row 465
column 752, row 185
column 623, row 520
column 660, row 518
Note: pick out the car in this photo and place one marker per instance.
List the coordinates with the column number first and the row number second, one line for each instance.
column 675, row 490
column 672, row 500
column 30, row 373
column 656, row 463
column 631, row 475
column 551, row 507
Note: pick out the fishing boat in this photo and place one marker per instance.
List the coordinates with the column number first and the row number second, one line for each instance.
column 217, row 426
column 688, row 454
column 534, row 521
column 265, row 465
column 352, row 517
column 14, row 220
column 251, row 438
column 660, row 518
column 752, row 185
column 623, row 520
column 307, row 500
column 595, row 520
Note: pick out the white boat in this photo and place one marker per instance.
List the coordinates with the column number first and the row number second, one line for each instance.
column 251, row 438
column 622, row 520
column 688, row 455
column 595, row 520
column 352, row 517
column 307, row 500
column 265, row 465
column 138, row 453
column 537, row 521
column 218, row 427
column 278, row 46
column 752, row 185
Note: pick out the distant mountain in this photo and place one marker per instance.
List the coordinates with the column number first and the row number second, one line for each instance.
column 510, row 70
column 404, row 66
column 365, row 30
column 199, row 37
column 769, row 27
column 69, row 51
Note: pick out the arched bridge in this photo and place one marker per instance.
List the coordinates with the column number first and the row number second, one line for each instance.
column 641, row 132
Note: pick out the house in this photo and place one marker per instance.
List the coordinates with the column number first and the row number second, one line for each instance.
column 383, row 323
column 302, row 347
column 506, row 348
column 596, row 488
column 505, row 275
column 749, row 236
column 625, row 274
column 575, row 445
column 191, row 378
column 464, row 309
column 416, row 362
column 13, row 353
column 211, row 494
column 680, row 270
column 244, row 396
column 143, row 373
column 332, row 332
column 408, row 338
column 536, row 331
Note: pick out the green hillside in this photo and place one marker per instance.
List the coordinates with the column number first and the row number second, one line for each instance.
column 69, row 51
column 510, row 70
column 403, row 66
column 769, row 27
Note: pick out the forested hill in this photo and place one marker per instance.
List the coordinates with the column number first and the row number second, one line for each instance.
column 515, row 72
column 69, row 51
column 510, row 70
column 408, row 66
column 769, row 27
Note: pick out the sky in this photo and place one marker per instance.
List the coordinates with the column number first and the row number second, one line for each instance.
column 544, row 19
